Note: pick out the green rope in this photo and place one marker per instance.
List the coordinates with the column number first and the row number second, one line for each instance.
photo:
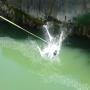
column 22, row 29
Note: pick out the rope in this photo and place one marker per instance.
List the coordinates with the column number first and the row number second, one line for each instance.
column 22, row 29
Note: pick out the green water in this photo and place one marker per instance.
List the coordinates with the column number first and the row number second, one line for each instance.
column 22, row 67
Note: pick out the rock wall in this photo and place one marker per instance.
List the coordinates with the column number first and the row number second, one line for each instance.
column 56, row 8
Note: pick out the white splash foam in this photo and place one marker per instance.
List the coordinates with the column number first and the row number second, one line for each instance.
column 52, row 49
column 46, row 28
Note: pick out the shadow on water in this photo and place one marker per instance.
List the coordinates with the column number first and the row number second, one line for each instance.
column 8, row 30
column 81, row 45
column 78, row 42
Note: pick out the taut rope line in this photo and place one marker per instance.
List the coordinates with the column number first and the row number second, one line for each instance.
column 22, row 28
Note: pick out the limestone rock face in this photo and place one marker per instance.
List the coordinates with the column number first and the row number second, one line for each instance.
column 56, row 8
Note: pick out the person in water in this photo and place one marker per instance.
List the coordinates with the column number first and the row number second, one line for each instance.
column 51, row 50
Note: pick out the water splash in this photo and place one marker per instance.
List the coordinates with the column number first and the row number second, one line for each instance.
column 52, row 49
column 49, row 35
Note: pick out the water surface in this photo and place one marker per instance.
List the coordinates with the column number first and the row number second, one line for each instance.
column 22, row 67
